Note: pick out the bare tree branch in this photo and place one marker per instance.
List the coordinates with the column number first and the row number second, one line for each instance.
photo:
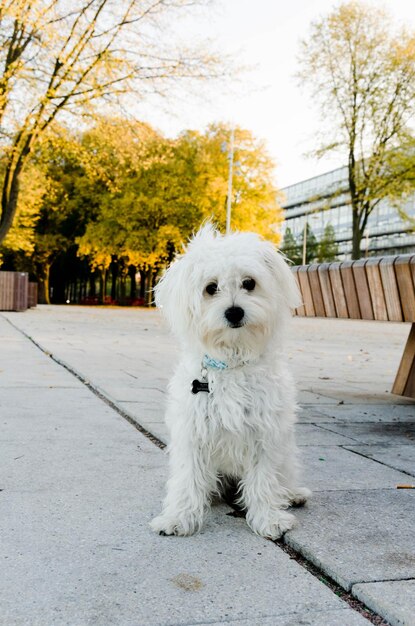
column 55, row 57
column 363, row 75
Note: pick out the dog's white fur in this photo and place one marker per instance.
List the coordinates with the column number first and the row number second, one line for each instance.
column 243, row 427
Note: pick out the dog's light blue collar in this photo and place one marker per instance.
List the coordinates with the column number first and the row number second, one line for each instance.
column 209, row 361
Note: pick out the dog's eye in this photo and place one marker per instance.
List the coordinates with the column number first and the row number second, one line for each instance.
column 211, row 288
column 248, row 284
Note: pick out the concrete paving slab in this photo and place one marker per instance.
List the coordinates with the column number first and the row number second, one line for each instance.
column 86, row 563
column 361, row 394
column 368, row 412
column 395, row 600
column 308, row 397
column 313, row 435
column 396, row 433
column 91, row 341
column 60, row 450
column 311, row 414
column 52, row 413
column 400, row 457
column 346, row 617
column 8, row 335
column 153, row 421
column 18, row 403
column 154, row 394
column 320, row 348
column 358, row 536
column 124, row 352
column 146, row 409
column 317, row 346
column 334, row 468
column 78, row 490
column 33, row 372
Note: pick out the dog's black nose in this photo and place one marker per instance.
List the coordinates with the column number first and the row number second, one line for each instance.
column 234, row 315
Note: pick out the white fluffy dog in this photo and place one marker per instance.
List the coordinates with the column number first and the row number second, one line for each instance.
column 231, row 408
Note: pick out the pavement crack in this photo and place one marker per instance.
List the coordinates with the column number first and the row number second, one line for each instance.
column 129, row 374
column 371, row 458
column 383, row 580
column 340, row 592
column 330, row 430
column 249, row 620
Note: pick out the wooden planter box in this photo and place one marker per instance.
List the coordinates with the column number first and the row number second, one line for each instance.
column 32, row 295
column 14, row 291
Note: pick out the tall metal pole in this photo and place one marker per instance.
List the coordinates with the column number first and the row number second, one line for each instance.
column 230, row 177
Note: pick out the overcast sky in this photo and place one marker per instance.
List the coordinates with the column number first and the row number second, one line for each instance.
column 265, row 34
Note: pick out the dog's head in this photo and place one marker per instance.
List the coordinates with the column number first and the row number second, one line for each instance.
column 228, row 293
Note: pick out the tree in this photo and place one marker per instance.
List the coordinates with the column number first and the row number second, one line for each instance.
column 57, row 58
column 255, row 198
column 140, row 220
column 255, row 201
column 63, row 205
column 125, row 199
column 328, row 248
column 363, row 75
column 159, row 191
column 20, row 239
column 66, row 208
column 311, row 245
column 291, row 248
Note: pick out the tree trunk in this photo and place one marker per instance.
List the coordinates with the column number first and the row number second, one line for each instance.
column 356, row 241
column 10, row 192
column 101, row 288
column 92, row 288
column 122, row 289
column 114, row 276
column 149, row 287
column 9, row 201
column 84, row 289
column 356, row 235
column 142, row 284
column 43, row 293
column 154, row 282
column 133, row 287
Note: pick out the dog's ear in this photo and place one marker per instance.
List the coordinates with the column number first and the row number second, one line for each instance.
column 177, row 292
column 286, row 284
column 171, row 294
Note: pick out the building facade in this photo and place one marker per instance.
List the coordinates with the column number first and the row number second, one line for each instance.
column 325, row 199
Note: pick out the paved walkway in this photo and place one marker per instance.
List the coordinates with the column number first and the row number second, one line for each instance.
column 80, row 484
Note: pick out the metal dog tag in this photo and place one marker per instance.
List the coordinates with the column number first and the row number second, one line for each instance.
column 197, row 386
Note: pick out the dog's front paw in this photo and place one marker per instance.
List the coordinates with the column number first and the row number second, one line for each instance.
column 181, row 525
column 272, row 527
column 299, row 496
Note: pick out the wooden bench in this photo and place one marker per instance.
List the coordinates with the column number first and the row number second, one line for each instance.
column 369, row 289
